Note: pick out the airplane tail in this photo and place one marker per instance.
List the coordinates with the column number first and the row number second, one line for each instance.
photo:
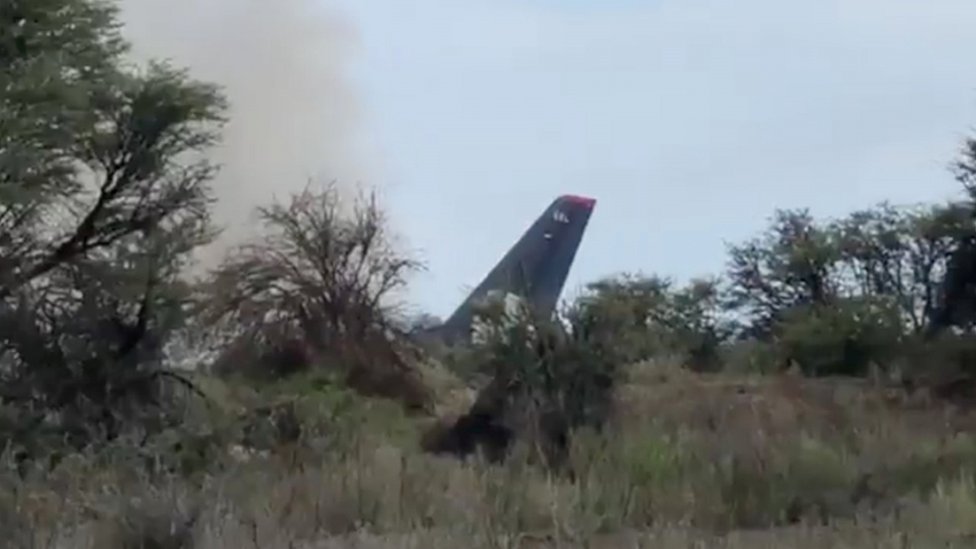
column 534, row 269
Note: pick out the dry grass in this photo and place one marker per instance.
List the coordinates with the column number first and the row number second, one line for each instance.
column 690, row 461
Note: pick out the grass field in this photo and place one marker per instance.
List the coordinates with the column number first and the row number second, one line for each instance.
column 688, row 461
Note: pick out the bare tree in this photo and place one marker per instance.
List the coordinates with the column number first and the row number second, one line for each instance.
column 318, row 287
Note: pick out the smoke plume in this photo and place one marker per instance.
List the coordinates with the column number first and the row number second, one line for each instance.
column 294, row 116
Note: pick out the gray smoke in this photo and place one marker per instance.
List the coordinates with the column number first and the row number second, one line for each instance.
column 294, row 116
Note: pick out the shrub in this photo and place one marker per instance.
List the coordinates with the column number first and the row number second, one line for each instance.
column 842, row 339
column 944, row 363
column 317, row 290
column 546, row 380
column 641, row 317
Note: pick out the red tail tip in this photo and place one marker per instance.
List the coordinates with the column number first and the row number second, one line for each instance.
column 577, row 199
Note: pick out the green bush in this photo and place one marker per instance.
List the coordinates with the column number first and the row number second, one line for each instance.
column 941, row 359
column 547, row 378
column 847, row 338
column 642, row 317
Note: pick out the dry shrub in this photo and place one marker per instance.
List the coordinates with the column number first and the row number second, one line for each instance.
column 646, row 486
column 159, row 518
column 766, row 451
column 777, row 467
column 317, row 291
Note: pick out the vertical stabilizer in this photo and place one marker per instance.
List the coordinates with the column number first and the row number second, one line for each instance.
column 535, row 268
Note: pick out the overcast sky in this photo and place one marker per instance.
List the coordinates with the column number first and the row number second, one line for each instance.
column 690, row 121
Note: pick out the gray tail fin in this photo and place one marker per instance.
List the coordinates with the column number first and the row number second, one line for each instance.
column 534, row 269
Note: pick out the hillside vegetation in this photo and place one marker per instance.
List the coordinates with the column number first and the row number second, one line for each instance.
column 818, row 393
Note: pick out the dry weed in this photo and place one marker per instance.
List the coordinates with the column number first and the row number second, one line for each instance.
column 707, row 461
